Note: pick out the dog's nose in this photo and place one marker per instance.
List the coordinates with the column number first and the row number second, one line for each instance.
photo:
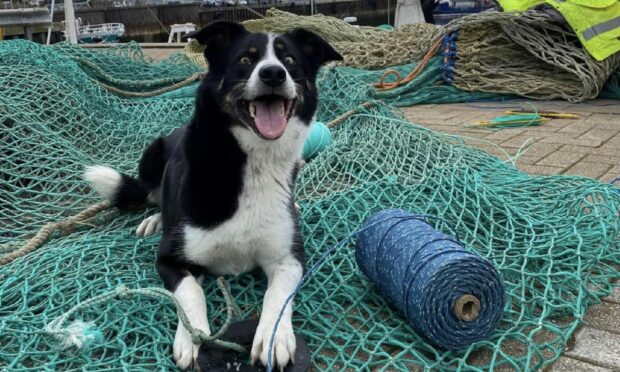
column 272, row 75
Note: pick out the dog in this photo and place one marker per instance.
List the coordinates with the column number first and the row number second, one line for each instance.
column 224, row 182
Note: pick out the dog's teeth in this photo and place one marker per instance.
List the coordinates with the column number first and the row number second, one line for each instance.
column 252, row 111
column 282, row 111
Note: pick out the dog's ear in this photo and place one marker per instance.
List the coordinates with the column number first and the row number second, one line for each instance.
column 313, row 47
column 217, row 36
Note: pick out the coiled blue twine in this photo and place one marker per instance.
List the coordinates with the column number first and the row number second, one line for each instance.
column 426, row 274
column 451, row 297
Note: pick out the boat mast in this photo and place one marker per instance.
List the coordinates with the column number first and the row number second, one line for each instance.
column 49, row 29
column 70, row 22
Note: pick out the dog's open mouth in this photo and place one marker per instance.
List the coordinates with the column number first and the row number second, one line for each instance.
column 270, row 114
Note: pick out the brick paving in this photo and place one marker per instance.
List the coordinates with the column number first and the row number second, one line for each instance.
column 589, row 147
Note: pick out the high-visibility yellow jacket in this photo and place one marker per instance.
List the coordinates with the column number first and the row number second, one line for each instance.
column 595, row 22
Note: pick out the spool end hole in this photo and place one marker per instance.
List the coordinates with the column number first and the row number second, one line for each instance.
column 467, row 308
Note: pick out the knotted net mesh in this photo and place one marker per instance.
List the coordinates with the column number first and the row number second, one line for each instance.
column 553, row 239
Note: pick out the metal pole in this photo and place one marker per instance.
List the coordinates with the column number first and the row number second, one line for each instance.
column 388, row 4
column 49, row 29
column 311, row 7
column 70, row 22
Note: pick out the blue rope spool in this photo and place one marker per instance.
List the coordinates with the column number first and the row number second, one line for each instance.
column 450, row 296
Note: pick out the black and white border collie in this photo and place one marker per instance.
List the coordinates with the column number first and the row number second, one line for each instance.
column 224, row 182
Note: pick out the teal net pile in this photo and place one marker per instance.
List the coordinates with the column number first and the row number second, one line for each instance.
column 612, row 86
column 553, row 239
column 352, row 86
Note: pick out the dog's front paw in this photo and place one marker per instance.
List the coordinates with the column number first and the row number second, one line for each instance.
column 150, row 225
column 185, row 352
column 284, row 344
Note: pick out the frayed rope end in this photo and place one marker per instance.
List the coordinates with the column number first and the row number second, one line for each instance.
column 79, row 334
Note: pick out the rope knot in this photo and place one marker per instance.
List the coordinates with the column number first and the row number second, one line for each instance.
column 198, row 337
column 123, row 292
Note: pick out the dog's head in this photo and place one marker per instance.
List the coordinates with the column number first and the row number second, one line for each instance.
column 262, row 80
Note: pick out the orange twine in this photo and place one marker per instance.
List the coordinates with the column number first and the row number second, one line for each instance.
column 382, row 85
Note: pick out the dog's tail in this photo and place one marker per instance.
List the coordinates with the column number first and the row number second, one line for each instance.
column 122, row 191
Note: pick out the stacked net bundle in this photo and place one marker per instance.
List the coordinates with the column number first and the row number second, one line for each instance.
column 362, row 47
column 529, row 55
column 330, row 28
column 195, row 52
column 553, row 239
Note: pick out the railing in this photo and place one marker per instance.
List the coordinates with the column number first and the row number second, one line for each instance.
column 117, row 29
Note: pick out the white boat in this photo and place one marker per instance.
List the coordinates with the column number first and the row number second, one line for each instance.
column 100, row 33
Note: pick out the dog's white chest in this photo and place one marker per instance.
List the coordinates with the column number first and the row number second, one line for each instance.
column 261, row 229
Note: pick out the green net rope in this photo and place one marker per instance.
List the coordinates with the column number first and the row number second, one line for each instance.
column 554, row 239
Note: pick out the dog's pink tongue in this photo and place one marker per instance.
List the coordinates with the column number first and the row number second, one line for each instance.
column 270, row 119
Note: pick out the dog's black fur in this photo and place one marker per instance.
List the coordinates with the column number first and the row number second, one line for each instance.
column 196, row 174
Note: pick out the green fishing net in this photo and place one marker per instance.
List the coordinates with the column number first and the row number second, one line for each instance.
column 553, row 239
column 612, row 86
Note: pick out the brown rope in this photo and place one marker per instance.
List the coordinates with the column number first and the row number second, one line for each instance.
column 346, row 115
column 180, row 84
column 382, row 85
column 66, row 226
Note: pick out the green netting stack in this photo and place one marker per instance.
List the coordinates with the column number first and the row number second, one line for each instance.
column 553, row 239
column 612, row 87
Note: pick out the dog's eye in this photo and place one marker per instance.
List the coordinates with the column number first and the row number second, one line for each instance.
column 289, row 60
column 245, row 60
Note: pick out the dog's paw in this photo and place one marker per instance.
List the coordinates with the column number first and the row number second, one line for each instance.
column 185, row 352
column 151, row 225
column 284, row 344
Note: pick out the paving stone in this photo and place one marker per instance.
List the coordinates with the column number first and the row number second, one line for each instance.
column 601, row 151
column 599, row 134
column 432, row 113
column 504, row 134
column 566, row 364
column 588, row 169
column 561, row 159
column 609, row 176
column 540, row 170
column 579, row 127
column 492, row 150
column 613, row 142
column 430, row 122
column 470, row 117
column 527, row 160
column 611, row 160
column 598, row 105
column 615, row 168
column 518, row 141
column 568, row 139
column 607, row 118
column 596, row 346
column 541, row 150
column 440, row 128
column 614, row 296
column 612, row 125
column 604, row 316
column 544, row 129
